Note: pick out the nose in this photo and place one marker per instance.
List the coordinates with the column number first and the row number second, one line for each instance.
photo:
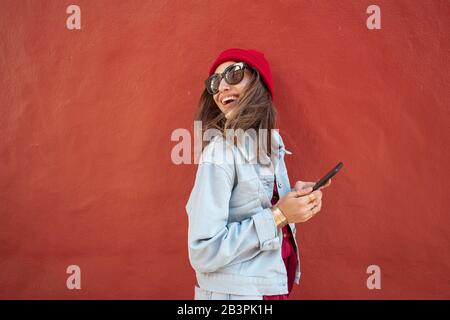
column 223, row 85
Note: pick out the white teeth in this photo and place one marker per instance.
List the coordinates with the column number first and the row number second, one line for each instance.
column 228, row 98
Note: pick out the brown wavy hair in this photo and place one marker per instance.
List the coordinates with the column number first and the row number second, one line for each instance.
column 254, row 110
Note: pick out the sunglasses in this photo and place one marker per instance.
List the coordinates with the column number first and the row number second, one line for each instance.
column 233, row 74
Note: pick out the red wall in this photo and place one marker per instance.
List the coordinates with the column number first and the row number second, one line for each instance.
column 86, row 116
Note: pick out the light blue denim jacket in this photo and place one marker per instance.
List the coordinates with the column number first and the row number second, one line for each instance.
column 233, row 242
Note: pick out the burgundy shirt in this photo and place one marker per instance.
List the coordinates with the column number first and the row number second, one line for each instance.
column 288, row 254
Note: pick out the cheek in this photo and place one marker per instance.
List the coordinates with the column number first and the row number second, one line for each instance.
column 218, row 105
column 241, row 86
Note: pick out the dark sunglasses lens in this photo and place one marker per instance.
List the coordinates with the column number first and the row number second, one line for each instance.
column 234, row 75
column 212, row 84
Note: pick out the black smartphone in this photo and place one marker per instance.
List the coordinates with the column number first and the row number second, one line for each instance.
column 327, row 177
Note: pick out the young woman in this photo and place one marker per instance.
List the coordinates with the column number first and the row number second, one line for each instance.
column 242, row 211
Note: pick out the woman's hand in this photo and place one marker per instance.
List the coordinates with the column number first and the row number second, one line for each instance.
column 298, row 205
column 299, row 185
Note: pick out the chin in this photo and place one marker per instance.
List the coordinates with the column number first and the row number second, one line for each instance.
column 227, row 111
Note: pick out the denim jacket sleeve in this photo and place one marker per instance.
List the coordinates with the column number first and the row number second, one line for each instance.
column 213, row 241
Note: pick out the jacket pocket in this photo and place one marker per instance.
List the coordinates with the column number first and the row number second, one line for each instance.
column 244, row 192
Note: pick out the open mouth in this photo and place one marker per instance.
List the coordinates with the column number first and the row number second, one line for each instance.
column 230, row 101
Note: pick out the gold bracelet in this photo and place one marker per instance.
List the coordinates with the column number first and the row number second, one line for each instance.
column 280, row 218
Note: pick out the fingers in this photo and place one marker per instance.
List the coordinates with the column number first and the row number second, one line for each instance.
column 317, row 208
column 292, row 194
column 308, row 211
column 310, row 214
column 310, row 207
column 317, row 194
column 308, row 217
column 302, row 185
column 304, row 200
column 302, row 192
column 308, row 184
column 326, row 185
column 310, row 197
column 299, row 185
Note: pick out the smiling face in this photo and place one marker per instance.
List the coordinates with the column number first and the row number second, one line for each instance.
column 228, row 90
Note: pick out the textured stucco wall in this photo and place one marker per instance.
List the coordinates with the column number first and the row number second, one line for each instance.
column 86, row 176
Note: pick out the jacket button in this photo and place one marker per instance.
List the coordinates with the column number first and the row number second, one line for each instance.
column 279, row 184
